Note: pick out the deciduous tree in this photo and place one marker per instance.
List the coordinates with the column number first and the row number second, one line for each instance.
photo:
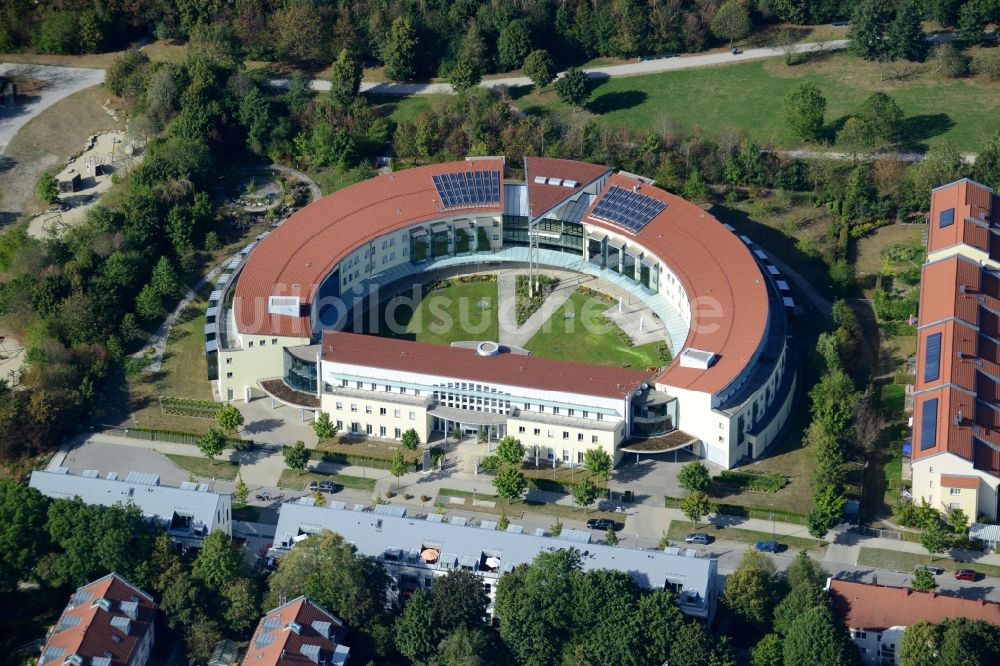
column 934, row 539
column 538, row 67
column 410, row 439
column 694, row 477
column 750, row 590
column 906, row 37
column 731, row 21
column 584, row 493
column 510, row 451
column 324, row 428
column 510, row 483
column 883, row 115
column 23, row 538
column 805, row 107
column 212, row 443
column 458, row 600
column 296, row 456
column 573, row 87
column 398, row 467
column 416, row 630
column 218, row 562
column 400, row 51
column 696, row 506
column 818, row 638
column 229, row 418
column 513, row 44
column 923, row 580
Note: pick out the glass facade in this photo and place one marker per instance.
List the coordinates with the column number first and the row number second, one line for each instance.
column 300, row 374
column 655, row 419
column 595, row 252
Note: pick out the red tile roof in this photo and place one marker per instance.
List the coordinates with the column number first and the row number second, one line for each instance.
column 729, row 309
column 295, row 258
column 543, row 198
column 959, row 481
column 284, row 631
column 975, row 217
column 85, row 627
column 545, row 374
column 878, row 607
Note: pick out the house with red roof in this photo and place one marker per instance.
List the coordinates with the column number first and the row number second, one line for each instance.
column 877, row 615
column 956, row 419
column 108, row 622
column 298, row 633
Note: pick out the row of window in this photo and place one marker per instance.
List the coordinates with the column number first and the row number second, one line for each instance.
column 356, row 428
column 551, row 434
column 372, row 386
column 261, row 343
column 382, row 411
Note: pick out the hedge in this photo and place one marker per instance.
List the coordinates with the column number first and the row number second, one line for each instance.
column 754, row 481
column 762, row 513
column 360, row 459
column 187, row 407
column 178, row 437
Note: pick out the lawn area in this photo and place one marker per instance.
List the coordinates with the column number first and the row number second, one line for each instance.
column 871, row 251
column 443, row 316
column 292, row 480
column 896, row 560
column 518, row 507
column 680, row 528
column 583, row 338
column 203, row 467
column 405, row 109
column 375, row 448
column 748, row 97
column 892, row 400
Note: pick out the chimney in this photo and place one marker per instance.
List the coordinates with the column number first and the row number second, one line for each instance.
column 931, row 594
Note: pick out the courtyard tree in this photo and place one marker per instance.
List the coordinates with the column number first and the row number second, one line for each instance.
column 731, row 21
column 23, row 539
column 934, row 539
column 416, row 630
column 584, row 493
column 398, row 467
column 805, row 108
column 296, row 456
column 694, row 477
column 696, row 506
column 324, row 428
column 218, row 562
column 410, row 439
column 957, row 521
column 229, row 418
column 750, row 590
column 598, row 462
column 241, row 492
column 459, row 600
column 212, row 443
column 923, row 580
column 510, row 483
column 767, row 652
column 538, row 67
column 573, row 87
column 510, row 451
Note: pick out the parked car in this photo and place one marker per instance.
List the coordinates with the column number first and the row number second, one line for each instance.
column 604, row 524
column 698, row 537
column 313, row 486
column 767, row 546
column 327, row 487
column 937, row 571
column 967, row 574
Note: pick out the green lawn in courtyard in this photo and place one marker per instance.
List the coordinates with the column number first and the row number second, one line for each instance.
column 444, row 315
column 748, row 97
column 582, row 338
column 219, row 469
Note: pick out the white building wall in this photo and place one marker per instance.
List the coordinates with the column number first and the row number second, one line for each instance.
column 878, row 648
column 257, row 357
column 927, row 485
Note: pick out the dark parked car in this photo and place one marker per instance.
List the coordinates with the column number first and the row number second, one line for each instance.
column 937, row 571
column 313, row 486
column 698, row 537
column 327, row 486
column 767, row 546
column 604, row 524
column 967, row 574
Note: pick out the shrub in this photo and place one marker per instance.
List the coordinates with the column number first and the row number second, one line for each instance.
column 753, row 481
column 949, row 61
column 987, row 63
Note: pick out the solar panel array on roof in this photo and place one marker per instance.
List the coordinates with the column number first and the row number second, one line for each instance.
column 928, row 424
column 627, row 208
column 468, row 189
column 932, row 358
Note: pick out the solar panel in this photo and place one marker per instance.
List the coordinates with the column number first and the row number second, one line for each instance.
column 468, row 189
column 932, row 358
column 627, row 209
column 928, row 424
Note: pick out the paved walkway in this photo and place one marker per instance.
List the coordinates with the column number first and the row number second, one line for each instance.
column 310, row 183
column 513, row 335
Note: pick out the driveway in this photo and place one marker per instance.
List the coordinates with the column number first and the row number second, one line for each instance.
column 59, row 82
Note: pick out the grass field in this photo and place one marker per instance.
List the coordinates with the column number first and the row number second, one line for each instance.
column 748, row 97
column 220, row 469
column 583, row 339
column 445, row 315
column 896, row 560
column 292, row 480
column 679, row 529
column 518, row 507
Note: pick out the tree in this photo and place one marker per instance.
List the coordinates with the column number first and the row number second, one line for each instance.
column 510, row 451
column 987, row 168
column 329, row 571
column 416, row 630
column 856, row 136
column 345, row 80
column 817, row 637
column 467, row 71
column 23, row 539
column 573, row 87
column 731, row 21
column 693, row 646
column 464, row 76
column 941, row 164
column 695, row 188
column 611, row 537
column 47, row 188
column 147, row 303
column 400, row 52
column 164, row 280
column 128, row 74
column 920, row 644
column 464, row 647
column 229, row 418
column 598, row 462
column 538, row 67
column 883, row 115
column 241, row 491
column 987, row 63
column 410, row 439
column 513, row 44
column 798, row 601
column 949, row 61
column 179, row 597
column 694, row 477
column 834, row 400
column 201, row 637
column 458, row 600
column 510, row 483
column 296, row 456
column 972, row 20
column 934, row 539
column 767, row 652
column 696, row 506
column 869, row 26
column 906, row 38
column 966, row 641
column 828, row 509
column 749, row 592
column 923, row 580
column 958, row 522
column 398, row 467
column 218, row 562
column 212, row 443
column 241, row 604
column 584, row 493
column 324, row 428
column 805, row 107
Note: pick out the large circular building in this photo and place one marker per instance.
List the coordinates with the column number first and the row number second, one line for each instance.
column 730, row 385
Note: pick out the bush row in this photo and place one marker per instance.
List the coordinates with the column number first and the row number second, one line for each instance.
column 360, row 459
column 179, row 437
column 762, row 513
column 755, row 481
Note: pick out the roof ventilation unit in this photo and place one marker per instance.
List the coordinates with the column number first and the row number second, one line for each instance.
column 284, row 305
column 555, row 181
column 697, row 358
column 539, row 180
column 569, row 183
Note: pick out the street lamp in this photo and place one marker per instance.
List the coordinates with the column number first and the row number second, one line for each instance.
column 473, row 495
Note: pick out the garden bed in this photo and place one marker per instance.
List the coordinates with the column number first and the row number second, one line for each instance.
column 766, row 482
column 525, row 305
column 202, row 409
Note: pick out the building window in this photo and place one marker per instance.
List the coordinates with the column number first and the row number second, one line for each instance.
column 382, row 411
column 571, row 412
column 538, row 431
column 413, row 416
column 339, row 405
column 593, row 439
column 396, row 413
column 565, row 434
column 250, row 344
column 579, row 436
column 274, row 341
column 368, row 428
column 600, row 417
column 955, row 491
column 368, row 409
column 354, row 407
column 229, row 359
column 579, row 457
column 586, row 414
column 555, row 410
column 548, row 433
column 229, row 375
column 397, row 433
column 381, row 431
column 340, row 424
column 521, row 429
